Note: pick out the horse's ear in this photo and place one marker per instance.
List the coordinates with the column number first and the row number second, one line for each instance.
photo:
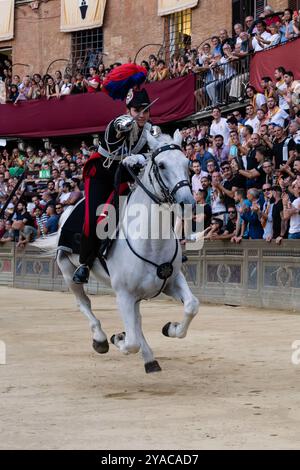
column 177, row 137
column 152, row 141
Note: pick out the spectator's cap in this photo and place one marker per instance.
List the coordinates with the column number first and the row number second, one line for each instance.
column 137, row 99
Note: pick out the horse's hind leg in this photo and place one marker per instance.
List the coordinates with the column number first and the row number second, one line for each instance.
column 100, row 343
column 180, row 290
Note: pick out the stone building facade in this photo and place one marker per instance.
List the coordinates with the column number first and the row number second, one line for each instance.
column 128, row 26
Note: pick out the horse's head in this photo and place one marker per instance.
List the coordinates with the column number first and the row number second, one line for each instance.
column 168, row 169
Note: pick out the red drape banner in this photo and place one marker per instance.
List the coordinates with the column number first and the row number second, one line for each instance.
column 89, row 113
column 263, row 64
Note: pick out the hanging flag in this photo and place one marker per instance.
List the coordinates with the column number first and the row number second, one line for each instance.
column 77, row 15
column 167, row 7
column 7, row 10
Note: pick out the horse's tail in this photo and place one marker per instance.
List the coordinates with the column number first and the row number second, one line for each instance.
column 49, row 244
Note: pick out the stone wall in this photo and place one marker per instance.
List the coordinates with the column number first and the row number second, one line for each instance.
column 251, row 274
column 128, row 25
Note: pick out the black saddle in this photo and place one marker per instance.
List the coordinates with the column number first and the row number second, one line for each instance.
column 71, row 231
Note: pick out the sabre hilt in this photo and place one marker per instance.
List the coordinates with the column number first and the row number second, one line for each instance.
column 124, row 124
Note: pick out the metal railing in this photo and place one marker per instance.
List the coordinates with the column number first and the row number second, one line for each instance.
column 222, row 83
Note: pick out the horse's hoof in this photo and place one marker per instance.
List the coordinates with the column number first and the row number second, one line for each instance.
column 112, row 339
column 101, row 348
column 119, row 337
column 165, row 330
column 152, row 367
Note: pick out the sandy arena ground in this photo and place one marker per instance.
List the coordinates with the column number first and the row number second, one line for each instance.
column 230, row 384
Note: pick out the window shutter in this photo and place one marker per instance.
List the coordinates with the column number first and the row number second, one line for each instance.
column 259, row 7
column 294, row 4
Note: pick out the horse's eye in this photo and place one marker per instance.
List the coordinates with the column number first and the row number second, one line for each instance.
column 161, row 166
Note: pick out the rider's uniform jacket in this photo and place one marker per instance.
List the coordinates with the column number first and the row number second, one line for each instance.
column 102, row 174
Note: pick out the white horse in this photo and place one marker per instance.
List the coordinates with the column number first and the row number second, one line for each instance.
column 135, row 263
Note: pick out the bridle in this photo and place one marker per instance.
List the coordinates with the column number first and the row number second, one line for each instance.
column 168, row 195
column 163, row 271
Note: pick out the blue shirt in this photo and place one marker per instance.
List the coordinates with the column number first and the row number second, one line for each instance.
column 52, row 224
column 203, row 159
column 255, row 230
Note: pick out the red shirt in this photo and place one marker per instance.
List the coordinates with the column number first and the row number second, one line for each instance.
column 271, row 20
column 95, row 79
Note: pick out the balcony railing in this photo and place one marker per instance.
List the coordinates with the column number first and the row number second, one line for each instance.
column 222, row 84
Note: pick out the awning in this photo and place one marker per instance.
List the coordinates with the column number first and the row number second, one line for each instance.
column 263, row 64
column 92, row 112
column 167, row 7
column 77, row 15
column 7, row 11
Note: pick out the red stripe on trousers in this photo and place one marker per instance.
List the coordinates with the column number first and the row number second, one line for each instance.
column 123, row 187
column 86, row 228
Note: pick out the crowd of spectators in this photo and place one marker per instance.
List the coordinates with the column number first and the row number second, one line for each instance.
column 215, row 61
column 245, row 166
column 53, row 181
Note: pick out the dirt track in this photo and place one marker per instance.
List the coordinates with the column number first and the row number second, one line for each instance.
column 230, row 384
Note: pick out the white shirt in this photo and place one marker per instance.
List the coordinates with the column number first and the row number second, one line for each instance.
column 275, row 39
column 256, row 46
column 220, row 128
column 260, row 99
column 282, row 102
column 196, row 181
column 66, row 89
column 254, row 123
column 295, row 219
column 229, row 71
column 279, row 118
column 64, row 197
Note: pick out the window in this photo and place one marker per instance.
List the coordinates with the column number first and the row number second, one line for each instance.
column 87, row 48
column 294, row 5
column 5, row 60
column 178, row 31
column 243, row 8
column 259, row 6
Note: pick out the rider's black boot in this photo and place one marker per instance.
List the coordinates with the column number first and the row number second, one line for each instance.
column 81, row 275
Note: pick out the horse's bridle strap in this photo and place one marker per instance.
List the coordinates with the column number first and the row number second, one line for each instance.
column 179, row 185
column 165, row 149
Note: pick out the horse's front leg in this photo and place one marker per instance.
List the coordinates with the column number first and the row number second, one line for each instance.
column 179, row 290
column 128, row 342
column 133, row 339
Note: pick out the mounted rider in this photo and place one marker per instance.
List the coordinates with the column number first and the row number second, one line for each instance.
column 125, row 144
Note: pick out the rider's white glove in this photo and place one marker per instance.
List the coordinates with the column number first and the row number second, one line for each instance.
column 133, row 160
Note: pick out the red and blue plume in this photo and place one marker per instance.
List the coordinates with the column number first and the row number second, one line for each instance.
column 121, row 79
